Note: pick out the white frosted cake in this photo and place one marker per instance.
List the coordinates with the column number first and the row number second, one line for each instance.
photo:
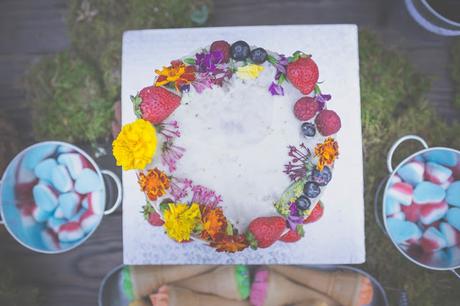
column 234, row 146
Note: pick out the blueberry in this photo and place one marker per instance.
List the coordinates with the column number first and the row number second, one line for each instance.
column 303, row 203
column 308, row 129
column 259, row 55
column 322, row 177
column 311, row 190
column 240, row 50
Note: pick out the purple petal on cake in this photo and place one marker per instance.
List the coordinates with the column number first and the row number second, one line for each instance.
column 170, row 154
column 179, row 188
column 322, row 99
column 207, row 61
column 276, row 90
column 204, row 196
column 169, row 130
column 294, row 219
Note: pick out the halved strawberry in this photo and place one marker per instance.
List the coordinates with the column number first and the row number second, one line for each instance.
column 316, row 213
column 155, row 103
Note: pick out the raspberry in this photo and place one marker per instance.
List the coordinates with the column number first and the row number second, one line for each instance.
column 305, row 108
column 221, row 45
column 328, row 122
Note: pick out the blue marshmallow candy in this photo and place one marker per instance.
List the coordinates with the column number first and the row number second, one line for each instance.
column 64, row 149
column 61, row 180
column 36, row 154
column 442, row 157
column 73, row 162
column 87, row 181
column 68, row 204
column 45, row 168
column 453, row 194
column 453, row 217
column 41, row 215
column 391, row 206
column 427, row 192
column 403, row 231
column 412, row 172
column 55, row 223
column 45, row 197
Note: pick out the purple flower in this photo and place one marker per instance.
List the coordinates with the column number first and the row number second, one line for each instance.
column 205, row 196
column 296, row 168
column 207, row 61
column 322, row 99
column 276, row 90
column 169, row 130
column 294, row 218
column 179, row 188
column 170, row 154
column 281, row 64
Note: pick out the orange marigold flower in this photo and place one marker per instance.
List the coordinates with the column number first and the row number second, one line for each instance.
column 178, row 73
column 154, row 183
column 231, row 244
column 327, row 152
column 214, row 223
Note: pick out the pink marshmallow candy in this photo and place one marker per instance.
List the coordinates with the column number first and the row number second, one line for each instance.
column 430, row 213
column 432, row 240
column 401, row 192
column 436, row 173
column 70, row 232
column 451, row 235
column 89, row 221
column 412, row 212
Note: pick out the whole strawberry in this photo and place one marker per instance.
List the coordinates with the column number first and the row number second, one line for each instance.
column 264, row 231
column 306, row 108
column 303, row 73
column 224, row 47
column 316, row 214
column 155, row 103
column 328, row 122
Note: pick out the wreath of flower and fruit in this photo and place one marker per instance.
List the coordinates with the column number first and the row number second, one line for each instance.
column 188, row 211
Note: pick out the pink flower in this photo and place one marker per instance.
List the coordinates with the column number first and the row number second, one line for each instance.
column 205, row 196
column 296, row 168
column 170, row 155
column 169, row 130
column 179, row 188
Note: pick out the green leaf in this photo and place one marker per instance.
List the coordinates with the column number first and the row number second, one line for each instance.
column 282, row 79
column 164, row 207
column 271, row 59
column 299, row 229
column 229, row 229
column 189, row 61
column 282, row 205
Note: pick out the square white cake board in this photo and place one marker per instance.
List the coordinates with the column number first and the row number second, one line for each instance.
column 338, row 238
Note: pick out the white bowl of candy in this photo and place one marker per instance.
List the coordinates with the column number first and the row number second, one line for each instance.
column 421, row 206
column 53, row 197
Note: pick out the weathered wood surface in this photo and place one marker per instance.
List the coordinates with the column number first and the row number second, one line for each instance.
column 31, row 28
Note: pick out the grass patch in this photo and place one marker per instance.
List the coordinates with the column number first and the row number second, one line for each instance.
column 393, row 105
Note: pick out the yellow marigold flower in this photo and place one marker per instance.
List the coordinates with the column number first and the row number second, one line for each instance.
column 135, row 146
column 180, row 220
column 154, row 183
column 214, row 223
column 249, row 72
column 327, row 152
column 178, row 73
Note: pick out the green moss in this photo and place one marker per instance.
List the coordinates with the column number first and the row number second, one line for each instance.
column 96, row 28
column 393, row 106
column 68, row 101
column 455, row 70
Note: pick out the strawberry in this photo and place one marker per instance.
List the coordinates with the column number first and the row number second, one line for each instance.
column 155, row 103
column 316, row 214
column 303, row 73
column 264, row 231
column 292, row 235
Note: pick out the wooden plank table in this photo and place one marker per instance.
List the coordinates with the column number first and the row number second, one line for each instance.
column 30, row 29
